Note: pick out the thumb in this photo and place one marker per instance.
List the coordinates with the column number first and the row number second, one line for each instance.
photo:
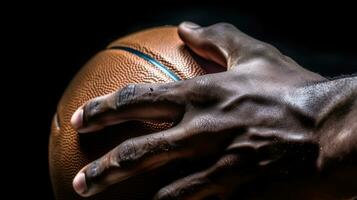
column 205, row 41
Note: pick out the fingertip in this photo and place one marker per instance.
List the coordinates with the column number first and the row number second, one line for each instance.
column 77, row 119
column 189, row 25
column 186, row 29
column 79, row 184
column 190, row 34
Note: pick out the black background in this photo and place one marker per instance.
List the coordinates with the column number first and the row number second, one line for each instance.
column 53, row 41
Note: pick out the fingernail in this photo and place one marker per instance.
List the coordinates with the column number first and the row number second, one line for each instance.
column 191, row 25
column 77, row 119
column 79, row 183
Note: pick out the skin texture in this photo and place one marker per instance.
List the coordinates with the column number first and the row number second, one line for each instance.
column 265, row 116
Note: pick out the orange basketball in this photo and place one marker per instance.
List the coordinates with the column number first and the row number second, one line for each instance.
column 150, row 56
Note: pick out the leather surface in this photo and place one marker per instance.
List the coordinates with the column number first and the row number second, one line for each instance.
column 106, row 72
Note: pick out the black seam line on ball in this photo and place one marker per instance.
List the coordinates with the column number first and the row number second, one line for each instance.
column 151, row 60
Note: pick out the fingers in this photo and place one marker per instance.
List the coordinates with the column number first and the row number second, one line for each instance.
column 218, row 42
column 218, row 181
column 223, row 43
column 133, row 102
column 154, row 102
column 196, row 38
column 196, row 186
column 133, row 157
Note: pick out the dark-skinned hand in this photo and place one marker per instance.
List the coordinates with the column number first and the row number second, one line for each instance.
column 264, row 115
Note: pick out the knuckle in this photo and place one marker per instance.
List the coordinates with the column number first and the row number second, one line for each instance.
column 93, row 108
column 126, row 153
column 228, row 161
column 264, row 51
column 243, row 145
column 216, row 30
column 164, row 92
column 159, row 145
column 260, row 49
column 255, row 134
column 203, row 83
column 135, row 150
column 93, row 171
column 204, row 124
column 219, row 27
column 125, row 95
column 202, row 91
column 262, row 136
column 146, row 93
column 167, row 92
column 226, row 166
column 165, row 193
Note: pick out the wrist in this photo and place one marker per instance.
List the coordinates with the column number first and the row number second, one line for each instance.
column 330, row 107
column 335, row 122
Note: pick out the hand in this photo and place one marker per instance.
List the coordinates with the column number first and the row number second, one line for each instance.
column 257, row 116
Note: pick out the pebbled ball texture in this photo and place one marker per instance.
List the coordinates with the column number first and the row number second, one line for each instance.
column 110, row 70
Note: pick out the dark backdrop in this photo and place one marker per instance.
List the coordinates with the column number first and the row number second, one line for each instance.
column 63, row 37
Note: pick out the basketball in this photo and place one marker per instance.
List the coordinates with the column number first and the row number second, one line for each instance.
column 155, row 55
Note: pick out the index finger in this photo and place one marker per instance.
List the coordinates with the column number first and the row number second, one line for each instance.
column 159, row 102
